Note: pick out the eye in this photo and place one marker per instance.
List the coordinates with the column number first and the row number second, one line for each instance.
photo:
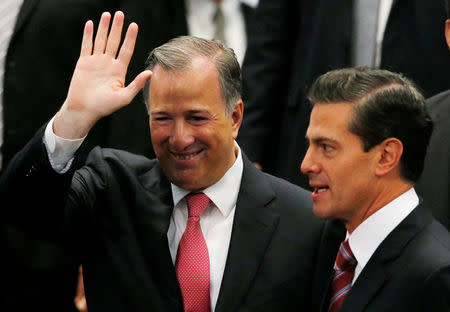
column 160, row 118
column 326, row 147
column 197, row 119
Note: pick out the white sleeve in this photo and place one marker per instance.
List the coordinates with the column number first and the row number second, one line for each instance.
column 60, row 151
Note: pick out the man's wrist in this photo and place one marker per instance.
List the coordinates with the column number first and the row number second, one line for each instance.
column 60, row 150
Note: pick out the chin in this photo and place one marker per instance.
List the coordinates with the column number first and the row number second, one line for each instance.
column 321, row 212
column 189, row 185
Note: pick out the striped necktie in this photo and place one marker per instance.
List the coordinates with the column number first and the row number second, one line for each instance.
column 344, row 270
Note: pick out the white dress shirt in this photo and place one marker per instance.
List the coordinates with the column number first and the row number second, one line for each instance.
column 366, row 238
column 216, row 221
column 199, row 16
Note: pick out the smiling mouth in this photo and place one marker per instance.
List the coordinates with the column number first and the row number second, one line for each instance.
column 185, row 156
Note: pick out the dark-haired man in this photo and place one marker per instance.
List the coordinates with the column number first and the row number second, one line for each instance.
column 135, row 224
column 292, row 42
column 368, row 135
column 434, row 184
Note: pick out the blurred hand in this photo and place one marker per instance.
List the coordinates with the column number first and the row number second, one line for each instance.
column 97, row 88
column 257, row 165
column 80, row 299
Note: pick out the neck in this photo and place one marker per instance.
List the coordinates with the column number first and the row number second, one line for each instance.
column 385, row 193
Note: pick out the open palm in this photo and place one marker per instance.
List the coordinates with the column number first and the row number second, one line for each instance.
column 98, row 87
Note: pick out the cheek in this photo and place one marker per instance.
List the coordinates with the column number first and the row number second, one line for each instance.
column 157, row 134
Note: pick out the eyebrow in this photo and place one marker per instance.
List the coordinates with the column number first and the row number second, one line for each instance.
column 321, row 139
column 193, row 111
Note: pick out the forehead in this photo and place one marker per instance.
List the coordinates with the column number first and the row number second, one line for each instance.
column 330, row 120
column 199, row 77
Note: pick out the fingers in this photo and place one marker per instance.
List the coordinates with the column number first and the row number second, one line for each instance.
column 102, row 33
column 114, row 35
column 137, row 84
column 86, row 44
column 126, row 51
column 110, row 44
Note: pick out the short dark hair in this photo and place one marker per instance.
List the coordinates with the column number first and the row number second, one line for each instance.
column 178, row 53
column 385, row 105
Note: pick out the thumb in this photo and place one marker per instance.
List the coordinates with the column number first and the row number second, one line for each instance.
column 137, row 84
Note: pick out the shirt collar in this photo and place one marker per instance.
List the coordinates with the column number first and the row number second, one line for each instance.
column 366, row 238
column 224, row 192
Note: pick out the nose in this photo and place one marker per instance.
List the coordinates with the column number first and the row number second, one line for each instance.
column 181, row 136
column 308, row 164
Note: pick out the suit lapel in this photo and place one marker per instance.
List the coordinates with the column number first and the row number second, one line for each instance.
column 375, row 273
column 154, row 209
column 26, row 9
column 392, row 13
column 247, row 12
column 394, row 3
column 365, row 287
column 253, row 227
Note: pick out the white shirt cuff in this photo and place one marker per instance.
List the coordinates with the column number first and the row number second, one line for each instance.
column 60, row 151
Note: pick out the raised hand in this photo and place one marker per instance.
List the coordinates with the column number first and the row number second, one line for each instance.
column 98, row 87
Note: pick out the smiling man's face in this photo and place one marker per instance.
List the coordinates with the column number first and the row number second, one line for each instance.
column 192, row 136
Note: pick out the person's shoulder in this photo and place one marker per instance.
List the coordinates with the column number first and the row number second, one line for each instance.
column 433, row 261
column 431, row 248
column 445, row 95
column 439, row 104
column 440, row 237
column 115, row 160
column 288, row 190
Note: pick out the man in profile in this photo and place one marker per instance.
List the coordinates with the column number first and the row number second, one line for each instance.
column 368, row 135
column 197, row 229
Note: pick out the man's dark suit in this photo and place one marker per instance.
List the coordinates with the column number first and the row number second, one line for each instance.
column 409, row 271
column 292, row 42
column 118, row 215
column 41, row 57
column 433, row 185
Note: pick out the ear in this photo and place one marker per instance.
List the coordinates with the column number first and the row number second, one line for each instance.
column 390, row 152
column 447, row 32
column 236, row 117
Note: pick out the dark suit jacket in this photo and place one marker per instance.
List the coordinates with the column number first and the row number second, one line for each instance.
column 409, row 271
column 116, row 219
column 434, row 184
column 41, row 57
column 292, row 42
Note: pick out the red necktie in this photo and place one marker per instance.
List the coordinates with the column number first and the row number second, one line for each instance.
column 192, row 264
column 344, row 270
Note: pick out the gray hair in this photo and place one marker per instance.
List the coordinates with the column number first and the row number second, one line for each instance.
column 178, row 53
